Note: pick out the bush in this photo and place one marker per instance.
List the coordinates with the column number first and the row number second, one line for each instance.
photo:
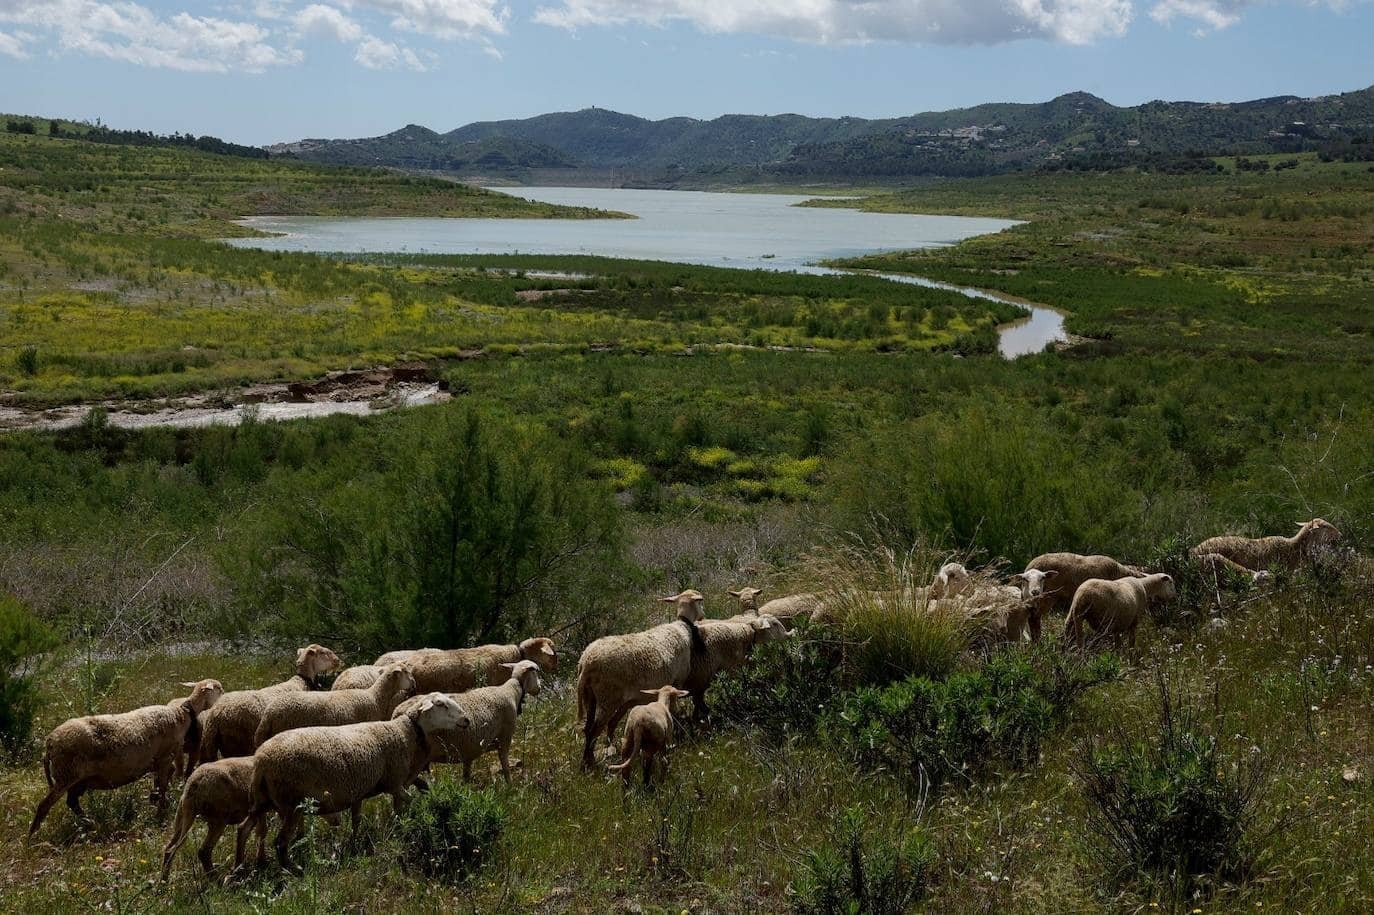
column 868, row 869
column 786, row 687
column 1171, row 806
column 930, row 731
column 21, row 637
column 451, row 830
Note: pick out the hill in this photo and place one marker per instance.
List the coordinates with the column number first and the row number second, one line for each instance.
column 1077, row 130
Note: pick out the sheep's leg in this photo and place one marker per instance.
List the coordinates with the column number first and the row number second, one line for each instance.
column 185, row 819
column 74, row 800
column 700, row 711
column 614, row 722
column 290, row 822
column 355, row 815
column 503, row 754
column 241, row 842
column 162, row 780
column 46, row 804
column 206, row 854
column 467, row 769
column 399, row 801
column 589, row 733
column 260, row 825
column 648, row 769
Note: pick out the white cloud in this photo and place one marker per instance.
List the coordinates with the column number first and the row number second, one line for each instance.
column 326, row 21
column 13, row 46
column 376, row 54
column 444, row 19
column 132, row 33
column 851, row 21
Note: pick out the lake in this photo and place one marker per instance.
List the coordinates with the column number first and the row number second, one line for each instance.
column 751, row 231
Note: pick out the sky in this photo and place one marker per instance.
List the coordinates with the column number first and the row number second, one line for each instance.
column 264, row 71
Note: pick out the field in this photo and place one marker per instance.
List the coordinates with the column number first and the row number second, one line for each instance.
column 645, row 427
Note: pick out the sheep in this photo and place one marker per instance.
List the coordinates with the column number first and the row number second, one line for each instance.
column 787, row 609
column 1064, row 574
column 340, row 767
column 492, row 711
column 461, row 669
column 748, row 599
column 1216, row 565
column 110, row 751
column 287, row 711
column 729, row 643
column 649, row 731
column 228, row 728
column 404, row 655
column 1265, row 553
column 1115, row 607
column 221, row 792
column 360, row 677
column 953, row 580
column 614, row 668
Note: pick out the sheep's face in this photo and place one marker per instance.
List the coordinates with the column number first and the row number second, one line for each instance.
column 204, row 693
column 691, row 605
column 1033, row 582
column 1164, row 588
column 541, row 652
column 668, row 695
column 437, row 712
column 951, row 581
column 748, row 598
column 527, row 672
column 1320, row 532
column 768, row 628
column 398, row 679
column 313, row 660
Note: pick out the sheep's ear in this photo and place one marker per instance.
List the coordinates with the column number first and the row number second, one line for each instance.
column 680, row 694
column 508, row 665
column 301, row 653
column 1052, row 573
column 734, row 593
column 649, row 692
column 668, row 600
column 191, row 685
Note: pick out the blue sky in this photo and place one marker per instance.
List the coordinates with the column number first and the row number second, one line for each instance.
column 260, row 71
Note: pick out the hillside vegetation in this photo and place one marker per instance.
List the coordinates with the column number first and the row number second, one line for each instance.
column 643, row 428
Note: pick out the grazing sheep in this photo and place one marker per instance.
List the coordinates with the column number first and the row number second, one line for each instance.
column 748, row 599
column 110, row 751
column 221, row 793
column 404, row 655
column 1264, row 553
column 288, row 711
column 1008, row 607
column 461, row 669
column 1115, row 607
column 1216, row 565
column 228, row 728
column 340, row 767
column 492, row 711
column 1064, row 574
column 360, row 677
column 953, row 580
column 787, row 609
column 729, row 643
column 614, row 668
column 649, row 731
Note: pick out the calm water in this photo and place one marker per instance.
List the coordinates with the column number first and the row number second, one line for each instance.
column 729, row 230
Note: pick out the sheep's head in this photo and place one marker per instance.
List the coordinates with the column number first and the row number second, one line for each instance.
column 668, row 695
column 748, row 598
column 951, row 581
column 313, row 660
column 204, row 693
column 768, row 628
column 691, row 605
column 438, row 712
column 396, row 680
column 1318, row 532
column 1161, row 587
column 1033, row 582
column 541, row 652
column 527, row 672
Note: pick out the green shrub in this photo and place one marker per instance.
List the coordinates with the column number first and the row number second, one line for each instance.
column 21, row 637
column 930, row 731
column 1173, row 806
column 451, row 830
column 786, row 687
column 869, row 868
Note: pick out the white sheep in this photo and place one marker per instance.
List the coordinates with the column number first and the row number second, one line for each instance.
column 1116, row 607
column 649, row 732
column 360, row 676
column 1064, row 574
column 460, row 669
column 788, row 609
column 1266, row 553
column 228, row 728
column 110, row 751
column 614, row 668
column 729, row 643
column 340, row 767
column 952, row 580
column 221, row 793
column 287, row 711
column 492, row 711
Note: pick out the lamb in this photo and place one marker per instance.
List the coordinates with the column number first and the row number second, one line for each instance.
column 1115, row 607
column 461, row 669
column 228, row 728
column 288, row 711
column 1064, row 574
column 649, row 731
column 729, row 643
column 110, row 751
column 221, row 793
column 748, row 599
column 953, row 580
column 492, row 711
column 1265, row 553
column 614, row 668
column 340, row 767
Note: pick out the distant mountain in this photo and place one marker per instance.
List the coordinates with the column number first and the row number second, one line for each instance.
column 1077, row 130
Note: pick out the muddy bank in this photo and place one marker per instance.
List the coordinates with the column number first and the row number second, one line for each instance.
column 357, row 393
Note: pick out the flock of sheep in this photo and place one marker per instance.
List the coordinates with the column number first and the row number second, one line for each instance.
column 377, row 728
